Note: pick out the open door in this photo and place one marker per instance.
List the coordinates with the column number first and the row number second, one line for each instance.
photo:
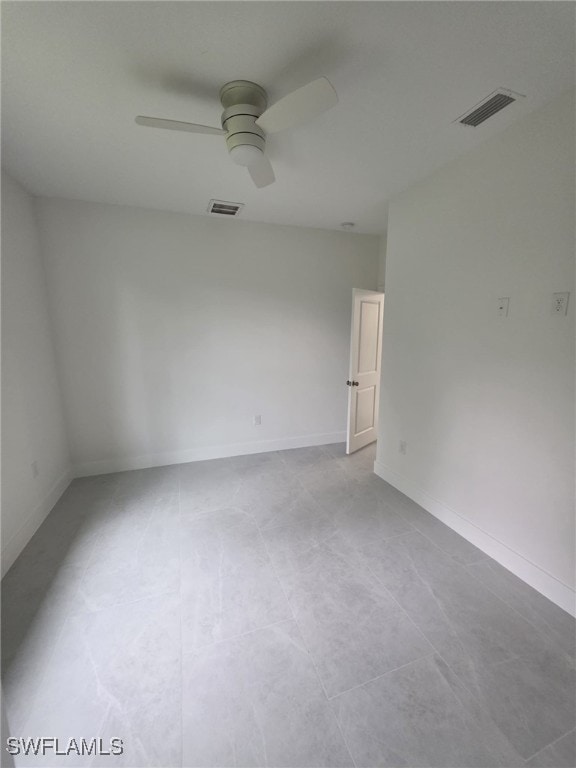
column 364, row 381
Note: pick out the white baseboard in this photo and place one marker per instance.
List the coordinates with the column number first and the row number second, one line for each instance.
column 12, row 548
column 538, row 578
column 203, row 453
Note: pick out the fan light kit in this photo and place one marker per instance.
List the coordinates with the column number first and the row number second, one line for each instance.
column 246, row 121
column 245, row 154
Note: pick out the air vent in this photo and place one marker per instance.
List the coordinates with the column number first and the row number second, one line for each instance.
column 488, row 107
column 222, row 208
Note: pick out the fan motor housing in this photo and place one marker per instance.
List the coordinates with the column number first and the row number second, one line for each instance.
column 243, row 103
column 239, row 122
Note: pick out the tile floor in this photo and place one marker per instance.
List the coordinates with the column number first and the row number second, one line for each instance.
column 284, row 609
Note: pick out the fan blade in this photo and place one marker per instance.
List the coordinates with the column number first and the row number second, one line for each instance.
column 298, row 107
column 177, row 125
column 261, row 172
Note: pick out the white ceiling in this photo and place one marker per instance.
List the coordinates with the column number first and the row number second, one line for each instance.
column 75, row 74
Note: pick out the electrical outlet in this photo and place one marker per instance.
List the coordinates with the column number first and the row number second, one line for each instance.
column 34, row 467
column 503, row 305
column 257, row 420
column 560, row 306
column 403, row 446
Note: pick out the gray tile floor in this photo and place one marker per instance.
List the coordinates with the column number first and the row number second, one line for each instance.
column 285, row 609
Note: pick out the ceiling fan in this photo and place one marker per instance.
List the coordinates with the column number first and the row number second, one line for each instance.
column 246, row 121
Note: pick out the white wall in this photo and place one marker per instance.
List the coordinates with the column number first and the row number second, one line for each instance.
column 173, row 331
column 486, row 404
column 32, row 418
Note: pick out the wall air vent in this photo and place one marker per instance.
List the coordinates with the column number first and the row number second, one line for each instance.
column 222, row 208
column 488, row 107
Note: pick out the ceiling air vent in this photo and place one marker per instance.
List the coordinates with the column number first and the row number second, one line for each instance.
column 488, row 107
column 223, row 208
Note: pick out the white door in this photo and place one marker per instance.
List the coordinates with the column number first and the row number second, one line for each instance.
column 364, row 381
